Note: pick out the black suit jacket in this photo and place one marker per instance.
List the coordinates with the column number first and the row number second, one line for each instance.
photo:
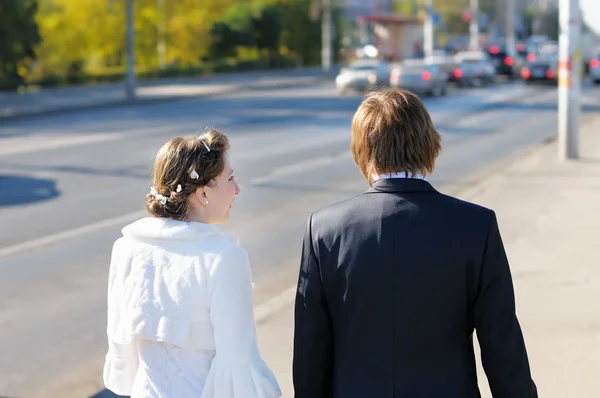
column 392, row 285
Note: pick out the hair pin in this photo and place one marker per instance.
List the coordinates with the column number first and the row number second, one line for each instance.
column 205, row 145
column 194, row 175
column 161, row 198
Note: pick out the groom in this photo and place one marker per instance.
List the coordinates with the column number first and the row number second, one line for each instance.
column 394, row 282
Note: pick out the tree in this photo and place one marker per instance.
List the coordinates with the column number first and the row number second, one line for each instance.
column 267, row 30
column 224, row 41
column 301, row 37
column 18, row 37
column 235, row 29
column 85, row 33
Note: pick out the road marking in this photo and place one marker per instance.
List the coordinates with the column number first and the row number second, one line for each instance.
column 71, row 233
column 126, row 218
column 305, row 165
column 40, row 142
column 274, row 304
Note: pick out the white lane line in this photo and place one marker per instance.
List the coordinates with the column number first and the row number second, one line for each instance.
column 285, row 171
column 71, row 233
column 126, row 218
column 305, row 165
column 291, row 143
column 40, row 142
column 274, row 304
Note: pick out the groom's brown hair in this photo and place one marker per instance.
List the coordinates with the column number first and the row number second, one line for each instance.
column 393, row 132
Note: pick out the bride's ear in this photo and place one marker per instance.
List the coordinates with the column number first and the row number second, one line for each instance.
column 201, row 196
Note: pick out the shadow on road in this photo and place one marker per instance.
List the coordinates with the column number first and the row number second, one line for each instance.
column 105, row 394
column 22, row 190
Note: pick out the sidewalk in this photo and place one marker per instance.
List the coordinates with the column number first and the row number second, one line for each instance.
column 71, row 98
column 549, row 216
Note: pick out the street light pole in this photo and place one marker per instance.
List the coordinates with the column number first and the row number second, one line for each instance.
column 326, row 36
column 569, row 79
column 161, row 48
column 130, row 79
column 510, row 26
column 474, row 25
column 428, row 29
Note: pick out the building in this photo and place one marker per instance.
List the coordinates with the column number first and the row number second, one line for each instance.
column 356, row 8
column 392, row 26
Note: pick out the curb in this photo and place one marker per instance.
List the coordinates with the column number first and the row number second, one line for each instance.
column 155, row 100
column 488, row 175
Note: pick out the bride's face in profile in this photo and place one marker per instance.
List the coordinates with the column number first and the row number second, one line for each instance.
column 220, row 195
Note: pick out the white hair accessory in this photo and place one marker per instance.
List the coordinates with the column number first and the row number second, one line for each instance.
column 161, row 198
column 179, row 189
column 194, row 175
column 205, row 145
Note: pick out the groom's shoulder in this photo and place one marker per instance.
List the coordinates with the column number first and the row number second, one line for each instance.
column 358, row 208
column 464, row 205
column 340, row 211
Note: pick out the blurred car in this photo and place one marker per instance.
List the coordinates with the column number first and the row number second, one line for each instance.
column 473, row 68
column 421, row 77
column 532, row 45
column 540, row 47
column 445, row 61
column 522, row 50
column 595, row 70
column 543, row 69
column 506, row 62
column 362, row 75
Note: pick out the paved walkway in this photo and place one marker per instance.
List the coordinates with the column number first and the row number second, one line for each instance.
column 549, row 217
column 70, row 98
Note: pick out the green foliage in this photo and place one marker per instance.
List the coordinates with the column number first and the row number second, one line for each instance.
column 18, row 36
column 235, row 29
column 224, row 41
column 84, row 40
column 302, row 35
column 267, row 29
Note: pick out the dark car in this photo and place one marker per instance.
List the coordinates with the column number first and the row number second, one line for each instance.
column 544, row 68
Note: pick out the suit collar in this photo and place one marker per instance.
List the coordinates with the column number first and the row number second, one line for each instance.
column 401, row 185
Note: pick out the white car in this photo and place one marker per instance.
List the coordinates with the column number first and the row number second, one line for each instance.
column 362, row 75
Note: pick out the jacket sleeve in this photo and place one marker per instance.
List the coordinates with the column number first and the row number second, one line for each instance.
column 503, row 352
column 237, row 370
column 313, row 339
column 121, row 361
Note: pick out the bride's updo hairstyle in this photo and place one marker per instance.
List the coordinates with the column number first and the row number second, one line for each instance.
column 181, row 166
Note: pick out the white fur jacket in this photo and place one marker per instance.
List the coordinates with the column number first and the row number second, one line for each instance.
column 180, row 315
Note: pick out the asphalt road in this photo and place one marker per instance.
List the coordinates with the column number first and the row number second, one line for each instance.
column 70, row 182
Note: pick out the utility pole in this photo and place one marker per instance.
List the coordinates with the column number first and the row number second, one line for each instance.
column 327, row 36
column 511, row 44
column 428, row 29
column 161, row 48
column 474, row 25
column 130, row 79
column 569, row 79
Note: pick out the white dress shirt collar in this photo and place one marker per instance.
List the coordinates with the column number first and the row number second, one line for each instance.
column 401, row 174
